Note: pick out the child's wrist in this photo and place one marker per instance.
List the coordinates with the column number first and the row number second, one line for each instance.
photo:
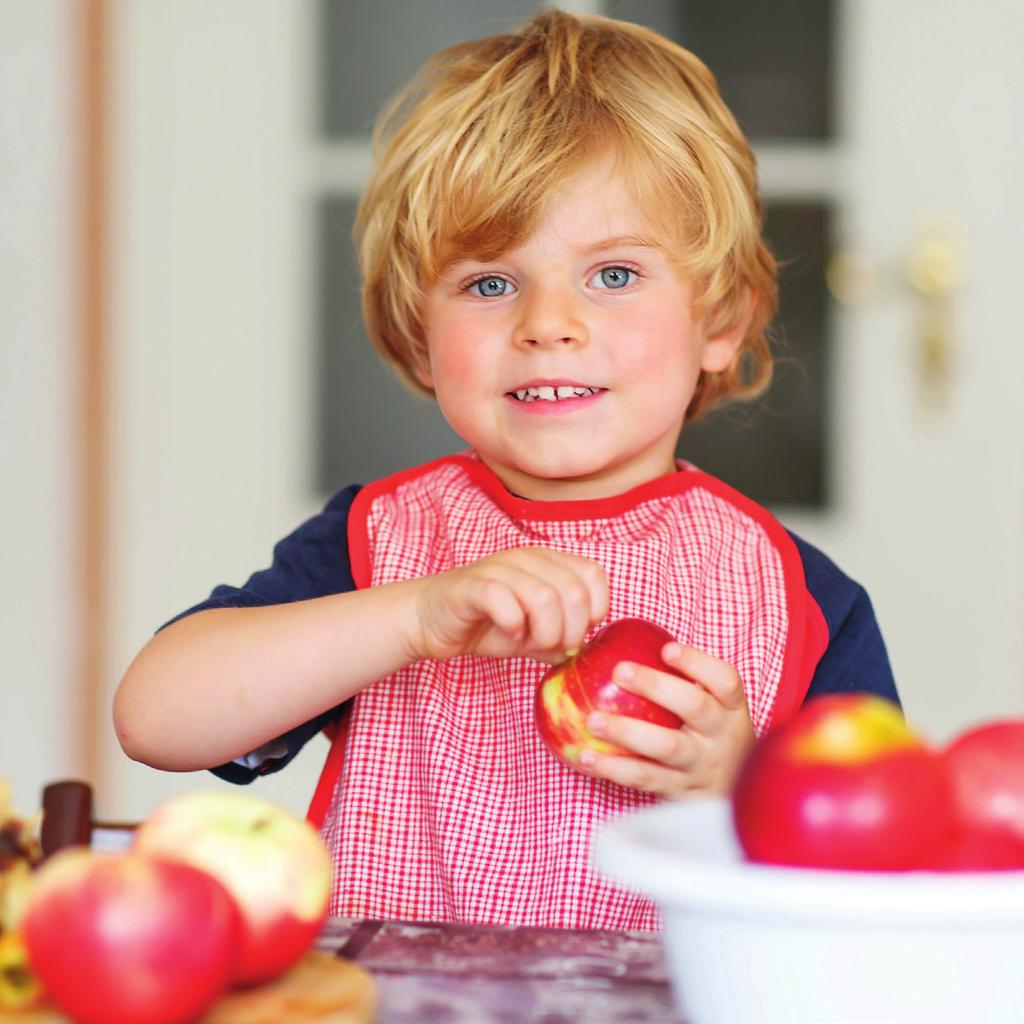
column 407, row 610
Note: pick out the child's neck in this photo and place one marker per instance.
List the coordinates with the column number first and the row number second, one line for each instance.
column 606, row 484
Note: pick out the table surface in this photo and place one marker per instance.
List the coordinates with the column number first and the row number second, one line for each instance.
column 473, row 974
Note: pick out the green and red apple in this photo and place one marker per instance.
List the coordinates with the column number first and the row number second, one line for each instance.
column 274, row 865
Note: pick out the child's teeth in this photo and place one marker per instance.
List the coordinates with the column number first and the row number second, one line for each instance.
column 549, row 393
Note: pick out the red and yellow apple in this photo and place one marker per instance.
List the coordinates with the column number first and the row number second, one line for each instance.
column 583, row 683
column 845, row 784
column 986, row 769
column 273, row 863
column 126, row 939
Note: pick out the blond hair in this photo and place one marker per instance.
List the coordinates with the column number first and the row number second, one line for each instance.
column 469, row 152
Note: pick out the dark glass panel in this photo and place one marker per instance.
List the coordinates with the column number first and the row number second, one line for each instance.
column 775, row 448
column 773, row 61
column 369, row 50
column 368, row 424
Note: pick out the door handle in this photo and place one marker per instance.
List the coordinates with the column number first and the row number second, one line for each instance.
column 933, row 273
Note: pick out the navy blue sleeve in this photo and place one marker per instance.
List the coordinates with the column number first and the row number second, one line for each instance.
column 313, row 561
column 855, row 659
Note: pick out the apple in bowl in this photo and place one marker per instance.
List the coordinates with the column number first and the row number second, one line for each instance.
column 274, row 865
column 986, row 771
column 583, row 683
column 844, row 784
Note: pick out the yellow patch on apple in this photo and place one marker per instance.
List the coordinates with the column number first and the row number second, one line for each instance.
column 564, row 714
column 875, row 727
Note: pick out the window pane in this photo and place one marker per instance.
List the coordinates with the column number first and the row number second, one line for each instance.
column 773, row 61
column 775, row 448
column 369, row 50
column 368, row 425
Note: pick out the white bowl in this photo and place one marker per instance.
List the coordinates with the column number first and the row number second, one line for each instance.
column 756, row 944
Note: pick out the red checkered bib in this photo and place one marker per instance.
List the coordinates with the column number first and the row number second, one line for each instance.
column 439, row 801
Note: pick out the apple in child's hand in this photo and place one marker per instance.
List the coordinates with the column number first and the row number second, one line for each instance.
column 844, row 784
column 273, row 863
column 126, row 939
column 583, row 683
column 986, row 769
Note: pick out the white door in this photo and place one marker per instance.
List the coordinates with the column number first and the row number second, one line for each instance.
column 930, row 485
column 217, row 164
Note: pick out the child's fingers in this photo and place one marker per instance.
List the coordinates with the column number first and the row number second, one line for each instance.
column 498, row 601
column 545, row 611
column 555, row 601
column 675, row 748
column 690, row 701
column 666, row 783
column 718, row 677
column 563, row 597
column 582, row 580
column 595, row 579
column 540, row 605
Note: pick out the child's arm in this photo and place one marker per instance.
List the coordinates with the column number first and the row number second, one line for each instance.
column 221, row 682
column 705, row 754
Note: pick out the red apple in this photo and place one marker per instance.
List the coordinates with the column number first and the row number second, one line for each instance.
column 126, row 939
column 845, row 784
column 978, row 851
column 273, row 863
column 986, row 767
column 583, row 683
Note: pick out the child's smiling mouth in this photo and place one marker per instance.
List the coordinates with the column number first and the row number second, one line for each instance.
column 552, row 393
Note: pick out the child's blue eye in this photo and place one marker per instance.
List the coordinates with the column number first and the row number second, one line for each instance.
column 490, row 287
column 613, row 278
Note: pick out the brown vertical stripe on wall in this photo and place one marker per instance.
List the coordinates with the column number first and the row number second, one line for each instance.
column 91, row 397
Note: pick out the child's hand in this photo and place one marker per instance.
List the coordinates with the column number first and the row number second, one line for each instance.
column 532, row 602
column 704, row 755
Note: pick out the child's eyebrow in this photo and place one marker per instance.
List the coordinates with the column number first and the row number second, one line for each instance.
column 634, row 241
column 616, row 241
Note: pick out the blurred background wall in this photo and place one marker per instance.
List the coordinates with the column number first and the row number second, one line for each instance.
column 236, row 379
column 38, row 709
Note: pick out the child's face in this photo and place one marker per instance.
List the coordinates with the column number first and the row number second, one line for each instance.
column 582, row 303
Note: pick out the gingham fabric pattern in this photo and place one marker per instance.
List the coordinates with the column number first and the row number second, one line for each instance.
column 448, row 806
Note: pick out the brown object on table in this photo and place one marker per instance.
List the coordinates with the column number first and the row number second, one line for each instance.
column 68, row 820
column 319, row 989
column 67, row 815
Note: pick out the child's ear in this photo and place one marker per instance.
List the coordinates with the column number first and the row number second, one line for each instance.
column 720, row 349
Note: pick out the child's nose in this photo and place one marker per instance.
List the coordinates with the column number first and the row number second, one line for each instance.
column 550, row 318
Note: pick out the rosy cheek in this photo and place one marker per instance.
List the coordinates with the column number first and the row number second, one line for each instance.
column 455, row 368
column 453, row 354
column 661, row 342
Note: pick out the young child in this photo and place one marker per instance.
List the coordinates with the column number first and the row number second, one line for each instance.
column 561, row 241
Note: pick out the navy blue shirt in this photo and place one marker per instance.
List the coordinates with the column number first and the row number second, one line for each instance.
column 313, row 561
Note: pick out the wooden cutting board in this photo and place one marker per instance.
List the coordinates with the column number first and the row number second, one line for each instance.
column 319, row 989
